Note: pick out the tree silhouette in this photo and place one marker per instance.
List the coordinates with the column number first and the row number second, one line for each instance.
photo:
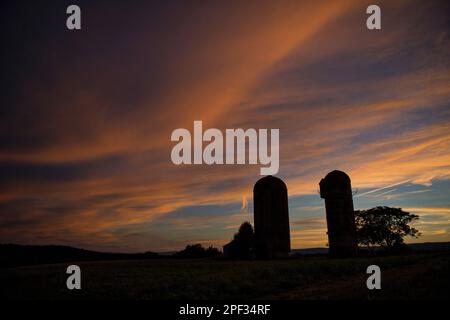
column 384, row 226
column 242, row 245
column 245, row 239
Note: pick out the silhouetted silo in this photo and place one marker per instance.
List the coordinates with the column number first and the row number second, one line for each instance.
column 336, row 189
column 270, row 199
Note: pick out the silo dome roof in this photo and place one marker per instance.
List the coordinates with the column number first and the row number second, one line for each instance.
column 269, row 182
column 335, row 180
column 337, row 176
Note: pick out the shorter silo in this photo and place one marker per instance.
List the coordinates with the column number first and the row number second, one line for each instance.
column 336, row 189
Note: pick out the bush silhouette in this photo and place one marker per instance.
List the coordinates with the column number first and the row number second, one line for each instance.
column 197, row 251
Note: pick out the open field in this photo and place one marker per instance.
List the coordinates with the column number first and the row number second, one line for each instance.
column 413, row 276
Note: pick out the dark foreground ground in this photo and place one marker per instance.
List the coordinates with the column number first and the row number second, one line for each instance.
column 412, row 276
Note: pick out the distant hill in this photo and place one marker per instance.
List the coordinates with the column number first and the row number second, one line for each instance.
column 426, row 246
column 12, row 255
column 430, row 246
column 309, row 251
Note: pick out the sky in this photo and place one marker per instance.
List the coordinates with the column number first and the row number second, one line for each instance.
column 86, row 116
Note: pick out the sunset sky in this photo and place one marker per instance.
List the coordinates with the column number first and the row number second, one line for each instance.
column 86, row 116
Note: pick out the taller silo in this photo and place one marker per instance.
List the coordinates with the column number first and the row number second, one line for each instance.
column 336, row 189
column 271, row 218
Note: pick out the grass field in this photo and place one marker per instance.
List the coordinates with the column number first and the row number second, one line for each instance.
column 413, row 276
